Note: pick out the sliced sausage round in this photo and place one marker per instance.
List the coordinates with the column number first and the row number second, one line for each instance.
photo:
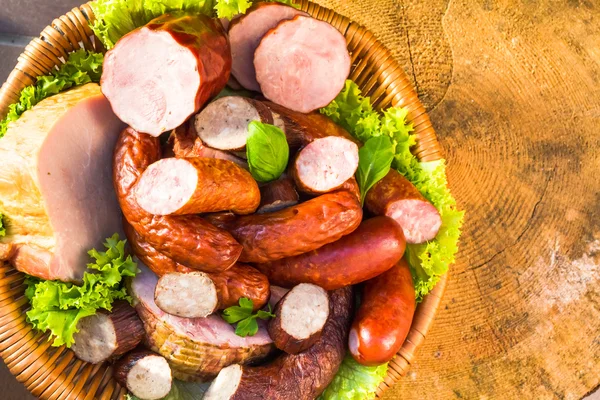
column 223, row 124
column 158, row 75
column 293, row 230
column 173, row 186
column 370, row 250
column 396, row 197
column 302, row 64
column 145, row 374
column 299, row 318
column 325, row 164
column 245, row 33
column 189, row 239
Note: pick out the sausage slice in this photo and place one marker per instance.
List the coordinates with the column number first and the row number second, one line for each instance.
column 396, row 197
column 107, row 335
column 302, row 64
column 325, row 164
column 300, row 317
column 174, row 186
column 145, row 374
column 223, row 124
column 245, row 33
column 158, row 75
column 292, row 376
column 188, row 295
column 370, row 250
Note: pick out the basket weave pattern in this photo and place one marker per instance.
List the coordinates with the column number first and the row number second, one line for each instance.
column 55, row 373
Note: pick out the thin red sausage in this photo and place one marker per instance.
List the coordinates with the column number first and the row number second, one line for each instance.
column 384, row 317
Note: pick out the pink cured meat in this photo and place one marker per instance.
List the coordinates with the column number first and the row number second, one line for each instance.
column 56, row 183
column 302, row 64
column 196, row 348
column 245, row 33
column 158, row 75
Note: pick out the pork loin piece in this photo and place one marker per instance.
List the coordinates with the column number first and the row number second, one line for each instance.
column 292, row 377
column 145, row 374
column 245, row 33
column 187, row 144
column 396, row 197
column 56, row 183
column 158, row 75
column 174, row 186
column 277, row 195
column 325, row 164
column 196, row 348
column 300, row 317
column 302, row 64
column 107, row 335
column 223, row 124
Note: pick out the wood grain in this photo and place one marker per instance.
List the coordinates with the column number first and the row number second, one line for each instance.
column 519, row 124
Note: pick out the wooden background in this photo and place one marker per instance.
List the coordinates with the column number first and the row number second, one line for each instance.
column 513, row 89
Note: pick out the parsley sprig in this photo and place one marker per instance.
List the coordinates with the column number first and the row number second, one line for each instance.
column 245, row 319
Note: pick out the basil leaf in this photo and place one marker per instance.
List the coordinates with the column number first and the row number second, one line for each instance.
column 267, row 151
column 374, row 161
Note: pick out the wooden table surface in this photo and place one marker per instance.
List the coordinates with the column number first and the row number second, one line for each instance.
column 513, row 89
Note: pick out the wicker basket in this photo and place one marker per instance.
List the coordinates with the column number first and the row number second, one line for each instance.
column 55, row 373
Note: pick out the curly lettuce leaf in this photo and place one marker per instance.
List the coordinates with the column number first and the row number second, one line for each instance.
column 58, row 306
column 230, row 8
column 81, row 67
column 115, row 18
column 2, row 225
column 429, row 260
column 354, row 381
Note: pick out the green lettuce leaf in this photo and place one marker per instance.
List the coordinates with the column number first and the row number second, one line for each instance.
column 230, row 8
column 115, row 18
column 2, row 225
column 81, row 67
column 354, row 381
column 58, row 306
column 429, row 260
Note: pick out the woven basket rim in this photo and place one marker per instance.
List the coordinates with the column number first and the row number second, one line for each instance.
column 54, row 373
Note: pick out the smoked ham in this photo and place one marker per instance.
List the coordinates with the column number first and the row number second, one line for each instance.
column 56, row 183
column 196, row 348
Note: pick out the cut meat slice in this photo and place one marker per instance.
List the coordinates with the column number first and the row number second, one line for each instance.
column 158, row 75
column 188, row 295
column 245, row 33
column 396, row 197
column 56, row 183
column 302, row 64
column 145, row 374
column 223, row 124
column 196, row 348
column 325, row 164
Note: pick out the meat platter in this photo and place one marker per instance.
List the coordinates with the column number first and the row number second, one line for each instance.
column 216, row 210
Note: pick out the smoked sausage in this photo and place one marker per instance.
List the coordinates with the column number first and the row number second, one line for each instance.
column 370, row 250
column 384, row 317
column 189, row 239
column 239, row 281
column 302, row 376
column 196, row 185
column 396, row 197
column 293, row 230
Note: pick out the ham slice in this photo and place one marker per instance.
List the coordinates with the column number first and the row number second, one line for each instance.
column 56, row 183
column 196, row 348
